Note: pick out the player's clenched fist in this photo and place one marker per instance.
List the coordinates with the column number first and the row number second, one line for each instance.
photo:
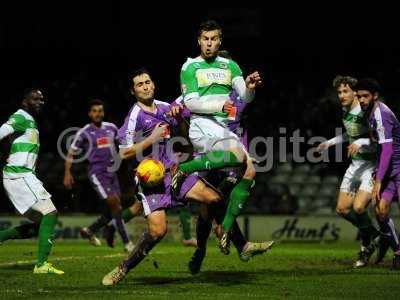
column 253, row 80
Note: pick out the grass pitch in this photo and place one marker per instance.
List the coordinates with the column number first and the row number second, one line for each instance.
column 288, row 271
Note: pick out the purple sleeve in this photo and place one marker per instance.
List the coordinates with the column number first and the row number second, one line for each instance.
column 185, row 113
column 384, row 126
column 384, row 160
column 79, row 141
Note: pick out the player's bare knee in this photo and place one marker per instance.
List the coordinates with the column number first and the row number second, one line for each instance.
column 359, row 208
column 250, row 172
column 158, row 232
column 341, row 210
column 210, row 196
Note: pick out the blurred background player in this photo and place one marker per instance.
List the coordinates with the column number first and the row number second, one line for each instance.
column 23, row 188
column 357, row 184
column 145, row 134
column 386, row 131
column 206, row 83
column 97, row 139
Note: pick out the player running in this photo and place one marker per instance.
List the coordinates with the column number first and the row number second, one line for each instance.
column 23, row 188
column 206, row 84
column 145, row 134
column 97, row 139
column 386, row 131
column 357, row 184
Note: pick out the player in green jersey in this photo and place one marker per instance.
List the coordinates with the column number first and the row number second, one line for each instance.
column 206, row 84
column 22, row 186
column 357, row 184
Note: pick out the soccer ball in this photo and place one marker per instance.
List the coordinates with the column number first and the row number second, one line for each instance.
column 150, row 172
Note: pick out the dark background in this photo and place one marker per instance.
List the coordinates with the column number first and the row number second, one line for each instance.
column 75, row 52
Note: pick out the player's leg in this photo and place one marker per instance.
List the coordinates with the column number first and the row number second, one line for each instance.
column 387, row 238
column 157, row 228
column 185, row 218
column 136, row 209
column 33, row 201
column 367, row 229
column 203, row 229
column 237, row 201
column 24, row 231
column 344, row 205
column 388, row 229
column 114, row 204
column 90, row 231
column 45, row 214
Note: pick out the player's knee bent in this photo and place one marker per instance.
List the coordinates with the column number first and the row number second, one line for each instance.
column 342, row 211
column 359, row 208
column 114, row 204
column 158, row 232
column 250, row 172
column 382, row 212
column 211, row 196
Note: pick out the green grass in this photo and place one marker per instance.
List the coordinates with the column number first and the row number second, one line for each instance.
column 289, row 271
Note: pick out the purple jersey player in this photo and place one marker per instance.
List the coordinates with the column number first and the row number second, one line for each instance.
column 144, row 135
column 97, row 141
column 385, row 129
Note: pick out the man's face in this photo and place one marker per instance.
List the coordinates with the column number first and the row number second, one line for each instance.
column 34, row 102
column 143, row 88
column 346, row 95
column 209, row 42
column 96, row 113
column 366, row 99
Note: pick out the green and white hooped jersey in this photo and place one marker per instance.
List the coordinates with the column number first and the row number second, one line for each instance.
column 209, row 79
column 25, row 144
column 356, row 127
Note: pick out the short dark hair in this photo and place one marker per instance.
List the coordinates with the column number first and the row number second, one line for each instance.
column 209, row 25
column 26, row 93
column 95, row 102
column 138, row 72
column 224, row 54
column 345, row 80
column 368, row 84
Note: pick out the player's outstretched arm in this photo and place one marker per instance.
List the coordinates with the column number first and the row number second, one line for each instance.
column 333, row 141
column 156, row 135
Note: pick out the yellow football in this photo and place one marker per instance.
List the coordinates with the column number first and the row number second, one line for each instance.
column 150, row 172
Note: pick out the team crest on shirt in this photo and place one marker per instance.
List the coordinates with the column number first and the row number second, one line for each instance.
column 33, row 137
column 103, row 142
column 223, row 65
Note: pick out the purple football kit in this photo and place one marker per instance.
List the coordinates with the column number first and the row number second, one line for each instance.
column 386, row 130
column 138, row 125
column 98, row 143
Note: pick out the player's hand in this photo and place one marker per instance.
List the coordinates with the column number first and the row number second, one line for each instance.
column 376, row 193
column 176, row 111
column 158, row 132
column 253, row 80
column 322, row 147
column 353, row 149
column 68, row 181
column 228, row 105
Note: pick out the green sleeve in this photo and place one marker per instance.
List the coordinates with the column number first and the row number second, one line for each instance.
column 188, row 80
column 235, row 69
column 17, row 122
